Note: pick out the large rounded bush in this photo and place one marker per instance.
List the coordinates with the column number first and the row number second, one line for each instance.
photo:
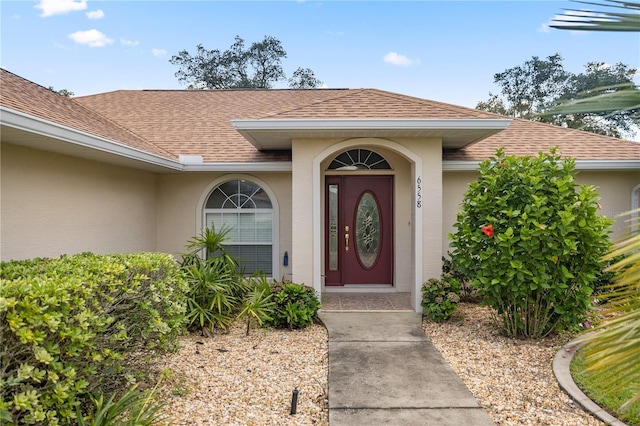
column 78, row 326
column 531, row 240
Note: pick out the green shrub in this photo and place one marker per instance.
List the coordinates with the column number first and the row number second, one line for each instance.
column 296, row 305
column 531, row 240
column 440, row 298
column 467, row 292
column 69, row 324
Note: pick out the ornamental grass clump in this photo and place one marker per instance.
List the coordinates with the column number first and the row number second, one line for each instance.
column 531, row 240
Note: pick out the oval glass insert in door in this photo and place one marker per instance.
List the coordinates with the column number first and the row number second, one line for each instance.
column 368, row 230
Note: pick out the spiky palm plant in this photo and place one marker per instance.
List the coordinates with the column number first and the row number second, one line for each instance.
column 215, row 285
column 626, row 98
column 210, row 241
column 601, row 20
column 133, row 408
column 258, row 304
column 614, row 350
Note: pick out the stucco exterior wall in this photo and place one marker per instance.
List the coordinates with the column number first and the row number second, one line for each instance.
column 304, row 151
column 429, row 194
column 615, row 194
column 181, row 198
column 454, row 185
column 54, row 204
column 614, row 188
column 403, row 219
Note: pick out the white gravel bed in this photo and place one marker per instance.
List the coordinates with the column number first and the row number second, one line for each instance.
column 234, row 379
column 512, row 379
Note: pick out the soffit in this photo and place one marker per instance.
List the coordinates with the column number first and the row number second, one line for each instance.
column 277, row 134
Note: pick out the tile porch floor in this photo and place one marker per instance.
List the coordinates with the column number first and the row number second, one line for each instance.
column 366, row 302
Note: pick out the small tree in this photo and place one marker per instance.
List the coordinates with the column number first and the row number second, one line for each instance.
column 304, row 78
column 64, row 92
column 531, row 240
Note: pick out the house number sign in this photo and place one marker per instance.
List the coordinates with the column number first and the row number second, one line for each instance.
column 419, row 192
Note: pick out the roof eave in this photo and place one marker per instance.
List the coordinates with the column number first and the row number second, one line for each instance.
column 237, row 167
column 277, row 134
column 54, row 137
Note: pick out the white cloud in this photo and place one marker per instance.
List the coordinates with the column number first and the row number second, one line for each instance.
column 92, row 38
column 57, row 7
column 129, row 42
column 398, row 59
column 158, row 52
column 95, row 14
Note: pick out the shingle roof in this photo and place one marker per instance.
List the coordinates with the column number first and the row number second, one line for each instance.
column 172, row 122
column 372, row 103
column 198, row 122
column 524, row 137
column 30, row 98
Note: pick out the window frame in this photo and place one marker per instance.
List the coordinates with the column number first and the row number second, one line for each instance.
column 358, row 163
column 201, row 219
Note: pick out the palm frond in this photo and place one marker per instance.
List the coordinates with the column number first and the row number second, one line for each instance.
column 627, row 99
column 614, row 348
column 598, row 20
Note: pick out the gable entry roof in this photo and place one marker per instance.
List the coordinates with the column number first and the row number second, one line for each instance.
column 238, row 129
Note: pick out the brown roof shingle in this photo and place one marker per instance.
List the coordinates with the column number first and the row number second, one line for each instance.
column 373, row 103
column 172, row 122
column 199, row 122
column 30, row 98
column 525, row 137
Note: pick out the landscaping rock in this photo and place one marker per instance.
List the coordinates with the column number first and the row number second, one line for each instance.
column 512, row 379
column 234, row 379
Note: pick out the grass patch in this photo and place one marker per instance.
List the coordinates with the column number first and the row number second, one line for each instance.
column 612, row 402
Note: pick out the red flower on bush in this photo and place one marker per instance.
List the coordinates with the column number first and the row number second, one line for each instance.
column 488, row 230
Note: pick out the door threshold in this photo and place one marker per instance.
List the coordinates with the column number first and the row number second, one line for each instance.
column 361, row 288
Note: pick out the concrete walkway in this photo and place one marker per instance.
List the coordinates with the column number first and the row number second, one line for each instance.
column 384, row 371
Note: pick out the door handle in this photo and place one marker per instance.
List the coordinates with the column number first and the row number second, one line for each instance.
column 346, row 238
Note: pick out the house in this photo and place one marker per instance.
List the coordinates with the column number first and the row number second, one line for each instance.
column 341, row 189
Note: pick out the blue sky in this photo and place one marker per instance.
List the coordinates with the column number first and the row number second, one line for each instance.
column 441, row 50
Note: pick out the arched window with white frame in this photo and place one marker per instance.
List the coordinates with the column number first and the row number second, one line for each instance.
column 246, row 209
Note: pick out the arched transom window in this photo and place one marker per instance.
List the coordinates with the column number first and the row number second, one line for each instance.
column 359, row 159
column 246, row 209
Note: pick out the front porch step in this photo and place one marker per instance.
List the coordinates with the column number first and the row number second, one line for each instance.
column 369, row 301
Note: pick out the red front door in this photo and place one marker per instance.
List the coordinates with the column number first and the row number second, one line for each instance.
column 359, row 230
